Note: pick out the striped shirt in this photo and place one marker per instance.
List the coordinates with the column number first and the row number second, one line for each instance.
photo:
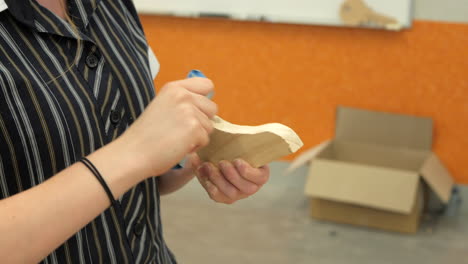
column 61, row 100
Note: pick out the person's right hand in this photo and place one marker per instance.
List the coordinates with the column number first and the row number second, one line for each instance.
column 176, row 123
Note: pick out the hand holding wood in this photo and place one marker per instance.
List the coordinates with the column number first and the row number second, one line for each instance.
column 229, row 182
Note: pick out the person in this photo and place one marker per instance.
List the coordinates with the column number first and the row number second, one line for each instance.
column 86, row 148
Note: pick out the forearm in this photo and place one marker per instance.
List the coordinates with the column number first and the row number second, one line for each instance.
column 35, row 222
column 174, row 180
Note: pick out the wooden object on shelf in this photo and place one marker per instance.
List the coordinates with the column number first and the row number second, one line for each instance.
column 358, row 13
column 257, row 145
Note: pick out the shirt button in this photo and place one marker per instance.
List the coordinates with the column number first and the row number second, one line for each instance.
column 115, row 117
column 92, row 61
column 138, row 229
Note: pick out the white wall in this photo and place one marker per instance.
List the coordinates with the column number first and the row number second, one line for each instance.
column 442, row 10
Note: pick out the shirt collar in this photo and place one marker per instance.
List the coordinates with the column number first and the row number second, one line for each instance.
column 20, row 9
column 23, row 11
column 3, row 5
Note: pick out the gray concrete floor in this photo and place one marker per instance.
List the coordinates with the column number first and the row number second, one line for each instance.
column 274, row 227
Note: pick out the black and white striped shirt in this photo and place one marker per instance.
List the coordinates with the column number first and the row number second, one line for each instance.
column 55, row 109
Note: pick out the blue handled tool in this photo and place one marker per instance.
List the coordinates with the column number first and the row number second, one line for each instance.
column 197, row 73
column 191, row 74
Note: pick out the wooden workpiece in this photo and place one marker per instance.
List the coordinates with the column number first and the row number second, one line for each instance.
column 258, row 145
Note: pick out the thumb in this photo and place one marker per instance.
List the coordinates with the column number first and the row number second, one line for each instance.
column 198, row 85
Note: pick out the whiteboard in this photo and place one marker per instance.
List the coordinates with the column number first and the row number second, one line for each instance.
column 321, row 12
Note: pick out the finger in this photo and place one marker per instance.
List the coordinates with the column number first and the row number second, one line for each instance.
column 202, row 141
column 216, row 195
column 202, row 129
column 201, row 173
column 224, row 186
column 202, row 177
column 201, row 86
column 212, row 191
column 232, row 175
column 258, row 176
column 203, row 136
column 204, row 121
column 194, row 161
column 196, row 89
column 208, row 107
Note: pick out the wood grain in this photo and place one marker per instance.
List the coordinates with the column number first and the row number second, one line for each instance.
column 257, row 145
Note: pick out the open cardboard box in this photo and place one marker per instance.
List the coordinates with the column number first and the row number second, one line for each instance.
column 375, row 171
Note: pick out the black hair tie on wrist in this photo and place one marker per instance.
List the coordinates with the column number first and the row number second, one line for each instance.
column 101, row 180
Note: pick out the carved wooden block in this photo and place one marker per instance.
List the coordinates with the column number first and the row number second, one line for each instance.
column 258, row 145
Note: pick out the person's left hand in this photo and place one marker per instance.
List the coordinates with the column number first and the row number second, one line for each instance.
column 229, row 182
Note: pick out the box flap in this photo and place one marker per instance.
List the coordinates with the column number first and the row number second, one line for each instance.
column 376, row 187
column 306, row 157
column 383, row 128
column 380, row 155
column 437, row 177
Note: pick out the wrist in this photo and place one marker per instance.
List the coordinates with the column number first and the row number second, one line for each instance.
column 147, row 158
column 173, row 180
column 132, row 157
column 119, row 167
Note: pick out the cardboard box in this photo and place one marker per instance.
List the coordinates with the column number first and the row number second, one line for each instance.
column 375, row 171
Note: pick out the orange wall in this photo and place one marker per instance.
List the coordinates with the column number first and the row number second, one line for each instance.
column 297, row 75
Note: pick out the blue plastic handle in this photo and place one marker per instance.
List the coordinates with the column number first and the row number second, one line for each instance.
column 196, row 73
